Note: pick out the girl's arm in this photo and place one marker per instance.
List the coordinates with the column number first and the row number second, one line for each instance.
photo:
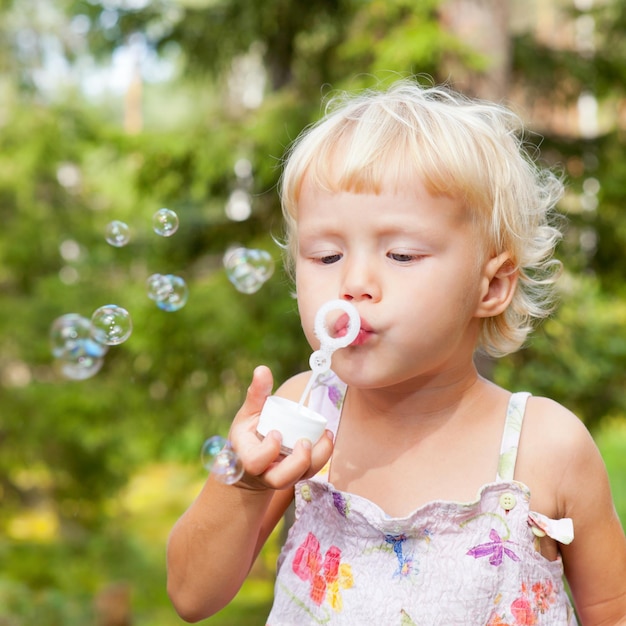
column 595, row 562
column 214, row 544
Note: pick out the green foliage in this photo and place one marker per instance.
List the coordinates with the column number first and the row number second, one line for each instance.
column 611, row 438
column 402, row 38
column 574, row 360
column 182, row 371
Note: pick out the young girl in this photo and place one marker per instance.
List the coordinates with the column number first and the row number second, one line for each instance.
column 436, row 497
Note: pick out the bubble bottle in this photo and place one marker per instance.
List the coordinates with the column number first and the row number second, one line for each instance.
column 292, row 419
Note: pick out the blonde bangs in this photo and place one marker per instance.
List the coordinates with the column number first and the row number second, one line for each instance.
column 375, row 150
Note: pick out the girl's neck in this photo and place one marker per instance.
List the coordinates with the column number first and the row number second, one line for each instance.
column 433, row 399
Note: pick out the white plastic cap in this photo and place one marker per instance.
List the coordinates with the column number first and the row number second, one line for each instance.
column 291, row 420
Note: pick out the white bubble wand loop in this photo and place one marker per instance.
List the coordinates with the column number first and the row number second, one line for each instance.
column 320, row 360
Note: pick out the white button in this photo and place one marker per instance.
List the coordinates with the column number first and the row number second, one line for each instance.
column 305, row 492
column 507, row 501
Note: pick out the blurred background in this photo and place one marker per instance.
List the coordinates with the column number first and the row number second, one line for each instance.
column 113, row 109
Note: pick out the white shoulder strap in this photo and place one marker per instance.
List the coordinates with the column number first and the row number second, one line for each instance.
column 327, row 396
column 511, row 435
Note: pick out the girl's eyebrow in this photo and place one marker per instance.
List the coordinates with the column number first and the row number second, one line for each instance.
column 311, row 232
column 391, row 234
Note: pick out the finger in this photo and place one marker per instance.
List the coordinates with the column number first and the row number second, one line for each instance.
column 321, row 453
column 261, row 454
column 258, row 391
column 269, row 468
column 305, row 461
column 290, row 468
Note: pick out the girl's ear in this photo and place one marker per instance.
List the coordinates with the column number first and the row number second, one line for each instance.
column 499, row 281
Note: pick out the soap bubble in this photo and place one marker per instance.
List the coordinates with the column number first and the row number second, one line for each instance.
column 79, row 367
column 221, row 460
column 165, row 222
column 169, row 292
column 248, row 269
column 78, row 355
column 111, row 325
column 158, row 287
column 117, row 233
column 70, row 335
column 210, row 449
column 228, row 468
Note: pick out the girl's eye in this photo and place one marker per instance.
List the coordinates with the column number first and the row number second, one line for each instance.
column 402, row 257
column 330, row 258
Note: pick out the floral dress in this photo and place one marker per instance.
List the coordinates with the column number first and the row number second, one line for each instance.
column 446, row 564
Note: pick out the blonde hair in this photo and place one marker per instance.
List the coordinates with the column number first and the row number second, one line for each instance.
column 462, row 148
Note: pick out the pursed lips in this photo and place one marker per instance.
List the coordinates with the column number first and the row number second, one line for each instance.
column 341, row 328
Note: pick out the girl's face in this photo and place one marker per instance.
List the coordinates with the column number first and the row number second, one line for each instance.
column 413, row 266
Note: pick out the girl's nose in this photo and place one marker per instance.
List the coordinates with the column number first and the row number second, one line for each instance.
column 360, row 282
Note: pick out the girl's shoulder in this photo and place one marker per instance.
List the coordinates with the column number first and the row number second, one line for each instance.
column 551, row 428
column 557, row 455
column 293, row 387
column 328, row 387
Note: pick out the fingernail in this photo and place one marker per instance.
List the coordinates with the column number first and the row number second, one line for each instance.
column 306, row 444
column 275, row 434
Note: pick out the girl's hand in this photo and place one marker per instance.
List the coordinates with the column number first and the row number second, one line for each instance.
column 264, row 464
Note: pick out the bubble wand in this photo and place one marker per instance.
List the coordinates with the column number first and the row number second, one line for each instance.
column 292, row 419
column 320, row 360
